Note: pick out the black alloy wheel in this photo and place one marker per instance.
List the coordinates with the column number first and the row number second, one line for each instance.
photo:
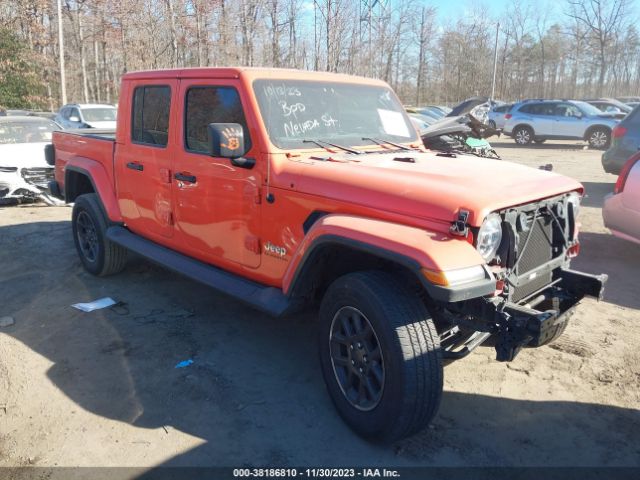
column 356, row 358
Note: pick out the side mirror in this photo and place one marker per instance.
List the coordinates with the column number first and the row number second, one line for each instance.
column 226, row 140
column 74, row 119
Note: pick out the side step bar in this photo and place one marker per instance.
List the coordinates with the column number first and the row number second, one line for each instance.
column 268, row 299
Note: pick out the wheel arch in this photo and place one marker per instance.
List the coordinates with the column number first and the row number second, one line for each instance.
column 590, row 130
column 90, row 177
column 333, row 256
column 338, row 244
column 524, row 125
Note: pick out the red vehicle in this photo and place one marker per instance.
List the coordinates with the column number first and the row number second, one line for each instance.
column 286, row 189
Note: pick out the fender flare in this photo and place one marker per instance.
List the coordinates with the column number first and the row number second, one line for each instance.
column 412, row 247
column 101, row 182
column 523, row 124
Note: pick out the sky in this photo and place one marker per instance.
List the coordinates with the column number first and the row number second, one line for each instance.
column 455, row 9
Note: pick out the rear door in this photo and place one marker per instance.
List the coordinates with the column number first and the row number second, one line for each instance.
column 544, row 119
column 143, row 161
column 217, row 203
column 539, row 118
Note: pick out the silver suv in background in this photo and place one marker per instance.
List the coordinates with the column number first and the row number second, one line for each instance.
column 540, row 120
column 88, row 115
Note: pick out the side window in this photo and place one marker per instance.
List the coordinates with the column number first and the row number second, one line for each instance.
column 535, row 108
column 567, row 110
column 205, row 105
column 150, row 115
column 65, row 113
column 547, row 109
column 74, row 113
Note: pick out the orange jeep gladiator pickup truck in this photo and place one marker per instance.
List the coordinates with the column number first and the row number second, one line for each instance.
column 288, row 189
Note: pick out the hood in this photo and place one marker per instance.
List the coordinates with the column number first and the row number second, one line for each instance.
column 612, row 115
column 607, row 116
column 467, row 105
column 108, row 125
column 432, row 186
column 23, row 155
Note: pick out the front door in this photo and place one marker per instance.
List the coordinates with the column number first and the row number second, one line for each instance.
column 143, row 161
column 217, row 204
column 569, row 121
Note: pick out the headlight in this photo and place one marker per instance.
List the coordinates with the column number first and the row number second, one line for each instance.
column 574, row 199
column 489, row 237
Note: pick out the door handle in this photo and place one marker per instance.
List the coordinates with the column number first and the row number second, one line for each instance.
column 135, row 166
column 184, row 177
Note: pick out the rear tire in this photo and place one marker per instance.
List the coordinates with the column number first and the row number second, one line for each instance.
column 492, row 124
column 99, row 255
column 523, row 135
column 599, row 138
column 380, row 356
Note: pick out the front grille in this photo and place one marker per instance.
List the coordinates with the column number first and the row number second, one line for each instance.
column 538, row 251
column 38, row 176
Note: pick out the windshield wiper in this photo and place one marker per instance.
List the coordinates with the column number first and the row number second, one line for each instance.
column 382, row 142
column 322, row 143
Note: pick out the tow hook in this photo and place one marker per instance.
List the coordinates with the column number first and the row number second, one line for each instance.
column 459, row 228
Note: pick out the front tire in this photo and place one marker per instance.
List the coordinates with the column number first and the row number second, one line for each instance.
column 380, row 356
column 99, row 255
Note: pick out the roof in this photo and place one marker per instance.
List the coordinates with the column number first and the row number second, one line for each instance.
column 250, row 73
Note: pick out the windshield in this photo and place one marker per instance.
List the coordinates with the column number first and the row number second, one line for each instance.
column 26, row 132
column 588, row 108
column 294, row 111
column 99, row 114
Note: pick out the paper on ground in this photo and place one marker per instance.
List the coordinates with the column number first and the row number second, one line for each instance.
column 95, row 305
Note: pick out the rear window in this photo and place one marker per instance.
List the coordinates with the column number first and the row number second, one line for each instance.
column 538, row 108
column 150, row 115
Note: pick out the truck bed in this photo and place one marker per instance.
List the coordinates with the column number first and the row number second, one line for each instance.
column 83, row 145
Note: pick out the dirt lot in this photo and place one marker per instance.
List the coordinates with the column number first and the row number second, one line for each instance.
column 100, row 388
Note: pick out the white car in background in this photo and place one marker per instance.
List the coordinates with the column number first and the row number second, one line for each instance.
column 24, row 172
column 621, row 212
column 88, row 115
column 497, row 114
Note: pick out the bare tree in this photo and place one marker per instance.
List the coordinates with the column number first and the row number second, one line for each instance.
column 604, row 19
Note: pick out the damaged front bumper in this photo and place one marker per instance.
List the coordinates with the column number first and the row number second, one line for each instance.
column 26, row 185
column 535, row 322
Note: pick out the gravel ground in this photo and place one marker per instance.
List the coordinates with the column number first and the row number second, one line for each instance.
column 100, row 388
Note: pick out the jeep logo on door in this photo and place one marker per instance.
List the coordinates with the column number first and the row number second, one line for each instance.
column 274, row 250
